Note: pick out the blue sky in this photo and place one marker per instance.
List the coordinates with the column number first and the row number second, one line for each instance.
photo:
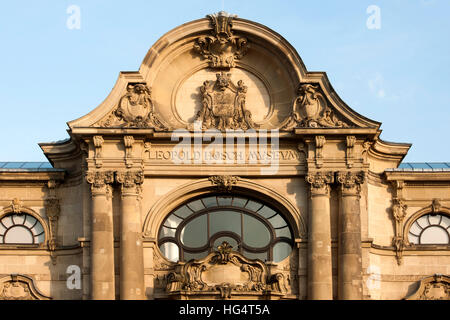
column 397, row 75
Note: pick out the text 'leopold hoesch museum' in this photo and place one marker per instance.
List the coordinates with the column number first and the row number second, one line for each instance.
column 223, row 169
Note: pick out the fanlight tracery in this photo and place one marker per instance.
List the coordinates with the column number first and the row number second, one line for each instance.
column 197, row 228
column 21, row 228
column 430, row 229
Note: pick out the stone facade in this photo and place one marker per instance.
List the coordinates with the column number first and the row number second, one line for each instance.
column 295, row 145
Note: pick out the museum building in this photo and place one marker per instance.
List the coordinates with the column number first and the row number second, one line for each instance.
column 223, row 169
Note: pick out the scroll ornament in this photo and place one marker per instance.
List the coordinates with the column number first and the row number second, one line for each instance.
column 222, row 48
column 310, row 110
column 192, row 277
column 135, row 109
column 223, row 105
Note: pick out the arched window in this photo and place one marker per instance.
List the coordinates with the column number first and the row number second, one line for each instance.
column 430, row 229
column 198, row 227
column 21, row 229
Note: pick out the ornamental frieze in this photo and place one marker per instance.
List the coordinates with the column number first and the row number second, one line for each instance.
column 311, row 110
column 135, row 110
column 223, row 105
column 222, row 48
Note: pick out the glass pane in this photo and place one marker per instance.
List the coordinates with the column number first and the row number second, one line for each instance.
column 183, row 212
column 195, row 233
column 7, row 221
column 445, row 222
column 2, row 229
column 224, row 201
column 256, row 233
column 19, row 234
column 40, row 238
column 37, row 229
column 434, row 235
column 283, row 232
column 266, row 212
column 415, row 229
column 30, row 221
column 231, row 241
column 189, row 256
column 261, row 256
column 210, row 202
column 277, row 221
column 225, row 221
column 170, row 251
column 196, row 205
column 172, row 221
column 254, row 206
column 423, row 221
column 18, row 219
column 239, row 202
column 166, row 232
column 280, row 251
column 434, row 219
column 413, row 239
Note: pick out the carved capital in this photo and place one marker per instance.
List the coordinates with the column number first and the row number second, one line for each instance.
column 350, row 181
column 100, row 181
column 224, row 183
column 320, row 182
column 130, row 180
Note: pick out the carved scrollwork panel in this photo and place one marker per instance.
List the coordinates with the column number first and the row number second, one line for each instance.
column 225, row 273
column 19, row 287
column 222, row 48
column 310, row 110
column 223, row 105
column 135, row 109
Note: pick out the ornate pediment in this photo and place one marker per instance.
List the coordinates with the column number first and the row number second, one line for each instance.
column 223, row 105
column 135, row 109
column 311, row 110
column 224, row 273
column 19, row 287
column 222, row 48
column 436, row 287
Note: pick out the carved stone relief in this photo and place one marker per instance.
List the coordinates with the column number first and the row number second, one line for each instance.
column 224, row 273
column 311, row 110
column 222, row 48
column 224, row 183
column 135, row 109
column 436, row 287
column 19, row 287
column 223, row 105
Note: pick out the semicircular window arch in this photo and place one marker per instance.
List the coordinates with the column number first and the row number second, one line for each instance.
column 250, row 226
column 430, row 229
column 21, row 228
